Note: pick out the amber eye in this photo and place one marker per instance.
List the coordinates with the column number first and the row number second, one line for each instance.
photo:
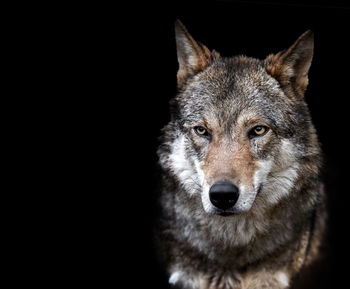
column 201, row 131
column 258, row 130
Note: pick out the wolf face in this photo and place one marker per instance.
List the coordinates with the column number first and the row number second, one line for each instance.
column 240, row 126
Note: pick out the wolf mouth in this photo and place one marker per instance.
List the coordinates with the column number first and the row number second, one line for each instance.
column 226, row 214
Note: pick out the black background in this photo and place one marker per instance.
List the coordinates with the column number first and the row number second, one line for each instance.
column 136, row 43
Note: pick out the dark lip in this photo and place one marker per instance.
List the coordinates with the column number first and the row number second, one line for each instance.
column 225, row 214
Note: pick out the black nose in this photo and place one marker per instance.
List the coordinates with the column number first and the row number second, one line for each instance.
column 223, row 195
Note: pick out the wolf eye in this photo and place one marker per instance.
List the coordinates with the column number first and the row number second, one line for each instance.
column 258, row 130
column 201, row 131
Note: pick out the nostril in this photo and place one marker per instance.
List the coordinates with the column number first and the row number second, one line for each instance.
column 224, row 195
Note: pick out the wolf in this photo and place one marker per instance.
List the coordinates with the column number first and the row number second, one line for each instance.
column 242, row 201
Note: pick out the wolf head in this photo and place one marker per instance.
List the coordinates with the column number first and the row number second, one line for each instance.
column 240, row 132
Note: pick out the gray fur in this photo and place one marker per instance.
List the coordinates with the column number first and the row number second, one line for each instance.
column 268, row 238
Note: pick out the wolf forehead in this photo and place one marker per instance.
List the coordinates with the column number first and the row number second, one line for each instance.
column 231, row 86
column 238, row 76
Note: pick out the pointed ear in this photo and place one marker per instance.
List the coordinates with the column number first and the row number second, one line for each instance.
column 193, row 57
column 291, row 67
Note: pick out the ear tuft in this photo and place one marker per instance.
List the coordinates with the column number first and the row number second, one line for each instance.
column 291, row 67
column 193, row 57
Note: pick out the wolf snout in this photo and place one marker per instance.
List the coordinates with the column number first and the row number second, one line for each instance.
column 223, row 195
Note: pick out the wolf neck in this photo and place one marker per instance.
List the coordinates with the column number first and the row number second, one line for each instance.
column 211, row 235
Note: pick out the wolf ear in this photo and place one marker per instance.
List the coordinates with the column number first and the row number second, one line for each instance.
column 193, row 57
column 291, row 67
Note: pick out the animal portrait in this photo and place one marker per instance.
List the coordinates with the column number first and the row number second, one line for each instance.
column 242, row 199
